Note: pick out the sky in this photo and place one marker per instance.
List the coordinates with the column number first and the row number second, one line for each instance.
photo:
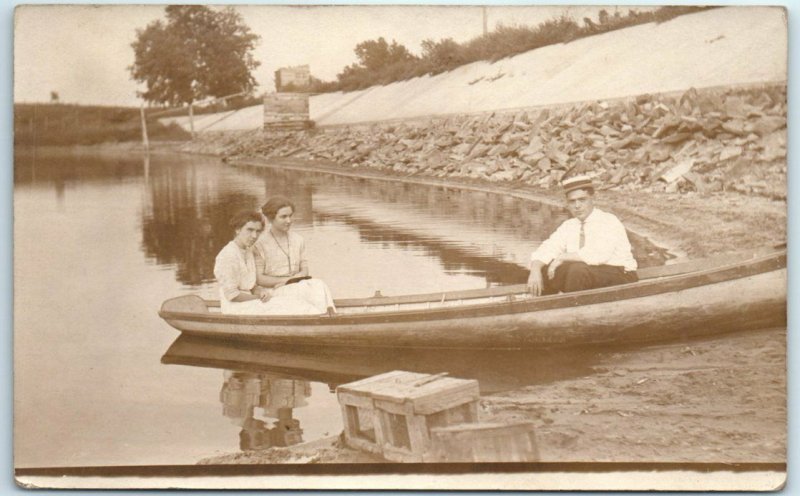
column 82, row 51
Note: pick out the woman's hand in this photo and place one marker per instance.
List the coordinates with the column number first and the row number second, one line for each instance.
column 263, row 294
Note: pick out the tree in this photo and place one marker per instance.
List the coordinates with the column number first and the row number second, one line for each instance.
column 374, row 55
column 378, row 63
column 197, row 53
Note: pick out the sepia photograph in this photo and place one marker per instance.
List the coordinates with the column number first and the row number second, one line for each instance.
column 410, row 247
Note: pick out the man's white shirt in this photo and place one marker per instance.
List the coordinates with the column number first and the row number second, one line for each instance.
column 606, row 242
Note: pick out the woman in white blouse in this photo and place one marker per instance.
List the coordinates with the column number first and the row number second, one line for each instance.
column 235, row 270
column 281, row 263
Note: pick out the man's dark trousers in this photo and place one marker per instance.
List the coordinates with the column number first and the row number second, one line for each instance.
column 577, row 276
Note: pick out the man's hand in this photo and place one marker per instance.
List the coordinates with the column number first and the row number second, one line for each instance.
column 535, row 281
column 551, row 269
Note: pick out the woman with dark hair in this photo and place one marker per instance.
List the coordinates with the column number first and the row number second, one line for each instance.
column 281, row 263
column 235, row 270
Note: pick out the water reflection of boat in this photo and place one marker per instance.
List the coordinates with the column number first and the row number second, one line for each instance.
column 242, row 392
column 702, row 297
column 495, row 370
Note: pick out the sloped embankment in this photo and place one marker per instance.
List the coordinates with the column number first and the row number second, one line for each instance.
column 717, row 47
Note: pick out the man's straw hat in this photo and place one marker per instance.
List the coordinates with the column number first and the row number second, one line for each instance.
column 577, row 182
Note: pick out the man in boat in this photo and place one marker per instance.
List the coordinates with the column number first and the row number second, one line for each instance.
column 590, row 250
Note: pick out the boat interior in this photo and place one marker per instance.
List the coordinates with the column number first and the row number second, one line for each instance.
column 517, row 292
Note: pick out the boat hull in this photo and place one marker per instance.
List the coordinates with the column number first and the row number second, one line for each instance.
column 727, row 299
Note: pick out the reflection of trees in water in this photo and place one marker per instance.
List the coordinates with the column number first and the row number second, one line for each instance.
column 297, row 187
column 530, row 220
column 243, row 392
column 185, row 222
column 453, row 259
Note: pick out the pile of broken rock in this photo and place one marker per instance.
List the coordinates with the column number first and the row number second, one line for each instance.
column 731, row 139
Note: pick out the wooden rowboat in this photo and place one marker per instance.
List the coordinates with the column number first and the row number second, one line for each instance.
column 722, row 294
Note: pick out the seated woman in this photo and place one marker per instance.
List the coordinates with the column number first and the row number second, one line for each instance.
column 281, row 259
column 235, row 270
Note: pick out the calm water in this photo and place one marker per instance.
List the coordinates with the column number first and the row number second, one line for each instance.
column 101, row 240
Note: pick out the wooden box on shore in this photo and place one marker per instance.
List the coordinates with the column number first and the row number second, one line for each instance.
column 392, row 414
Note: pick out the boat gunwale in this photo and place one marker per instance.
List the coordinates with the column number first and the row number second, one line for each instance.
column 773, row 261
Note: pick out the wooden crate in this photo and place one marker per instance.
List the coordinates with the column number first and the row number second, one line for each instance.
column 404, row 407
column 358, row 411
column 486, row 442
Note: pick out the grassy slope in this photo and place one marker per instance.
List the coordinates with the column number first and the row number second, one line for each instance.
column 64, row 124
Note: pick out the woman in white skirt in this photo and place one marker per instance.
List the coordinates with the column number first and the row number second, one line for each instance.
column 235, row 270
column 281, row 263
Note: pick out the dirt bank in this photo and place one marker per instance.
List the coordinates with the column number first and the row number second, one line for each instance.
column 328, row 450
column 715, row 401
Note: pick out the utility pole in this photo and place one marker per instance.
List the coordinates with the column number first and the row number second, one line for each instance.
column 145, row 140
column 485, row 21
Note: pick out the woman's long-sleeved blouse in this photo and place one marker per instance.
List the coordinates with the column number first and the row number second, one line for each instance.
column 235, row 270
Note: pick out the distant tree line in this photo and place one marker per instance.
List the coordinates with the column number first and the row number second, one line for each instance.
column 380, row 62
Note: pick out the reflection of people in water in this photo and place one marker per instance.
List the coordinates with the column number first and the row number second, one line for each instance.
column 235, row 270
column 281, row 262
column 242, row 392
column 256, row 434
